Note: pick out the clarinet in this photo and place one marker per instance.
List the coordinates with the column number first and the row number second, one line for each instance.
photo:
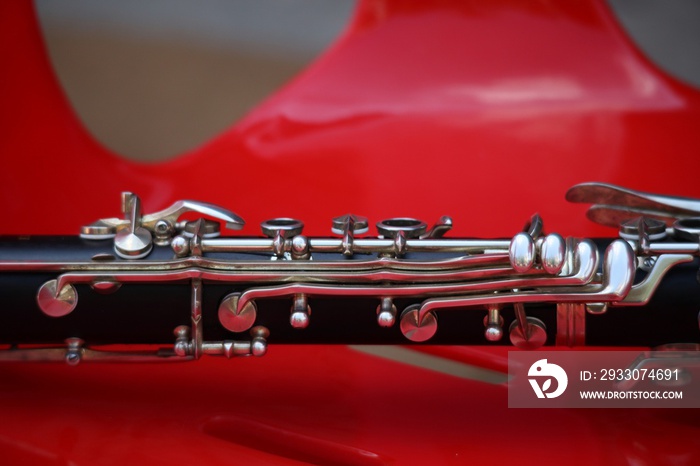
column 155, row 287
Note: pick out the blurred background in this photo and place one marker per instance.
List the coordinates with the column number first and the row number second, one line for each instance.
column 151, row 80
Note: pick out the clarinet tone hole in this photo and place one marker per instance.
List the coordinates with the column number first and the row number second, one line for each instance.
column 687, row 228
column 287, row 227
column 411, row 227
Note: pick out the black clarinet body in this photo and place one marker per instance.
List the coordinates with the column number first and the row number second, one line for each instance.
column 147, row 313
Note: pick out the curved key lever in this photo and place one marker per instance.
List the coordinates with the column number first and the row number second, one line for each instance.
column 614, row 204
column 166, row 218
column 172, row 213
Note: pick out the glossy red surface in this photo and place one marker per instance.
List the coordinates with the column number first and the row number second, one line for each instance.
column 484, row 111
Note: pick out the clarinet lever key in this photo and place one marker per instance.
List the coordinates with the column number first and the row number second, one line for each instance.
column 163, row 224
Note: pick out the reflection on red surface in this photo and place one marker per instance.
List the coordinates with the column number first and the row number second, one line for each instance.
column 339, row 407
column 484, row 111
column 288, row 442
